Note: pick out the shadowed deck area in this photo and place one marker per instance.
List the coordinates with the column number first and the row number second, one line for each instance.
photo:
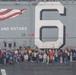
column 39, row 69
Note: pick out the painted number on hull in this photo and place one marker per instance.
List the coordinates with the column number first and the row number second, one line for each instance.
column 56, row 23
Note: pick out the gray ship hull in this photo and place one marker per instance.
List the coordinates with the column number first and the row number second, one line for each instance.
column 37, row 26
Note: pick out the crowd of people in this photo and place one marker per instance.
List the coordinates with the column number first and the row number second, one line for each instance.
column 44, row 56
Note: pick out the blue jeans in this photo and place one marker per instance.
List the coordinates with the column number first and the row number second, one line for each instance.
column 65, row 60
column 37, row 60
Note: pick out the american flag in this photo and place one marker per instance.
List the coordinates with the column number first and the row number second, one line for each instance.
column 10, row 13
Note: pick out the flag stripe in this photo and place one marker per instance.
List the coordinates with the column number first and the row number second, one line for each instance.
column 10, row 16
column 5, row 12
column 10, row 13
column 22, row 10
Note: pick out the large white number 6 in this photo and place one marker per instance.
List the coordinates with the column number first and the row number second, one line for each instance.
column 39, row 23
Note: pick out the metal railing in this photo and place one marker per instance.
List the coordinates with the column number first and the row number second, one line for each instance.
column 38, row 0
